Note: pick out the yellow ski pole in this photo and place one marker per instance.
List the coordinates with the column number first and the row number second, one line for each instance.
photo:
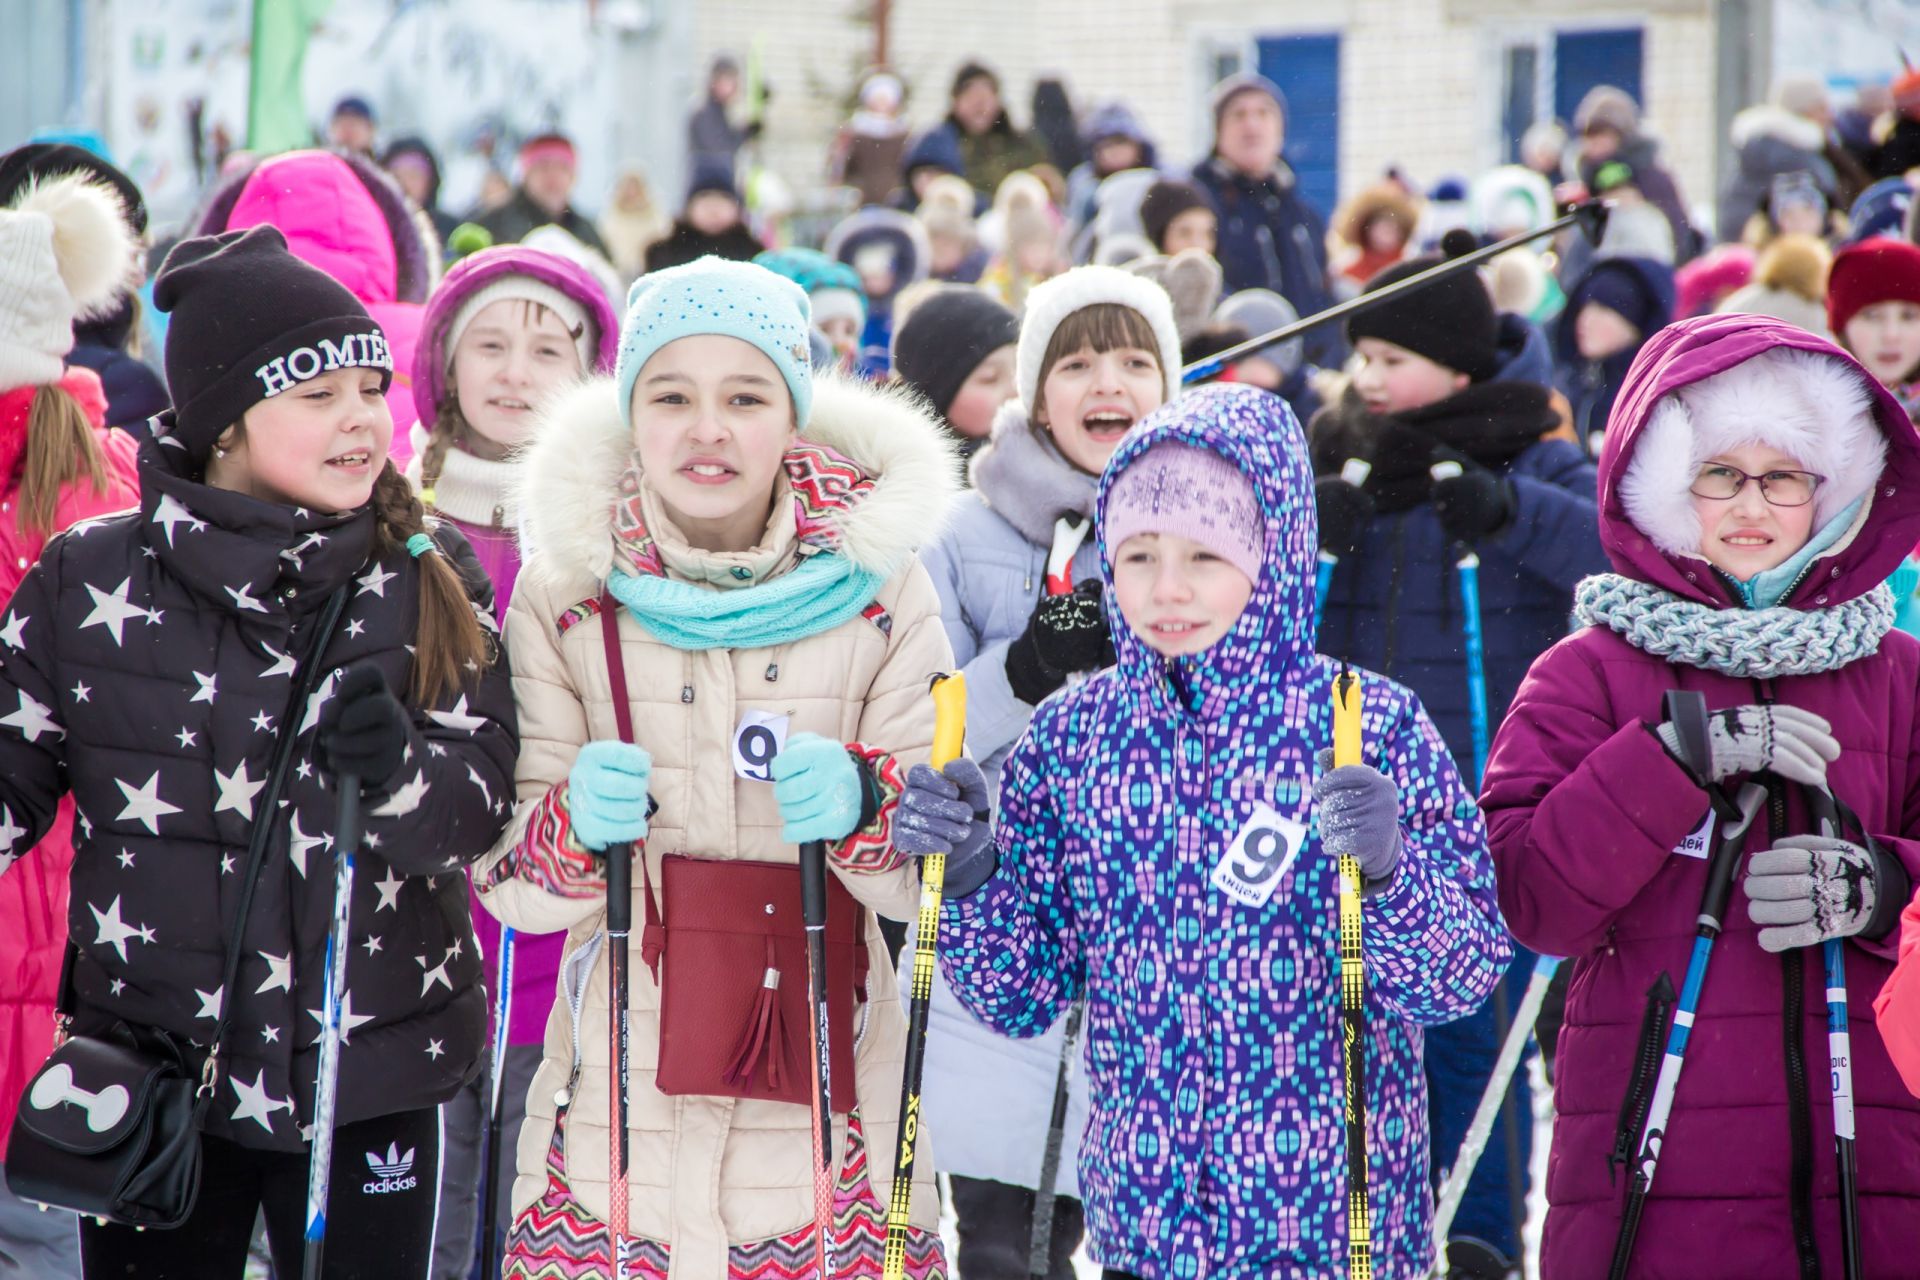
column 1353, row 997
column 949, row 733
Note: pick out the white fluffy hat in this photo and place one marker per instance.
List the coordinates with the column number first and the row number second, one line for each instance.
column 1805, row 404
column 65, row 253
column 1054, row 300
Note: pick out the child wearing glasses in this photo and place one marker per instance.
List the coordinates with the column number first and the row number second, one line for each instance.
column 1755, row 493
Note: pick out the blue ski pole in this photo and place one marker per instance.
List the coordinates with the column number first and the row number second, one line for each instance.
column 1355, row 472
column 1840, row 1061
column 1468, row 567
column 346, row 838
column 1713, row 909
column 502, row 1011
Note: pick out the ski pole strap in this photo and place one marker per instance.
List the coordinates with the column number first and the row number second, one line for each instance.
column 1686, row 711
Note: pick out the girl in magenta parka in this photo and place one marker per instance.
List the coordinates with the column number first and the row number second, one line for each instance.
column 1756, row 489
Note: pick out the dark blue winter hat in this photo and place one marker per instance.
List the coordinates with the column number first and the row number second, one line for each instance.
column 1880, row 210
column 712, row 174
column 935, row 149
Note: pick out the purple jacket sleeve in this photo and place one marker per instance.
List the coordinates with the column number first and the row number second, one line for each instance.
column 1582, row 811
column 1433, row 939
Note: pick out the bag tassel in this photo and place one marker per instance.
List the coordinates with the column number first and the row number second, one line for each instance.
column 765, row 1035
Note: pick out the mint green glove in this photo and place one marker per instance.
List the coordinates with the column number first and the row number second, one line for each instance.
column 817, row 784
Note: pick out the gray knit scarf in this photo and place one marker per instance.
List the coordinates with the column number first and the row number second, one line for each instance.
column 1758, row 644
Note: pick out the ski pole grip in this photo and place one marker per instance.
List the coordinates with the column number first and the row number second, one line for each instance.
column 949, row 717
column 813, row 884
column 1355, row 472
column 1687, row 712
column 619, row 888
column 1346, row 719
column 1447, row 470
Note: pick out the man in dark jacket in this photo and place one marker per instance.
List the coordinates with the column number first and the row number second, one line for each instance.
column 977, row 120
column 1269, row 237
column 548, row 170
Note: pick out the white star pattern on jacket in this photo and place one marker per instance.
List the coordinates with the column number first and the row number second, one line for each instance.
column 81, row 692
column 10, row 833
column 114, row 931
column 111, row 610
column 375, row 580
column 170, row 512
column 372, row 944
column 144, row 804
column 348, row 1019
column 256, row 1103
column 208, row 690
column 270, row 1034
column 405, row 800
column 262, row 722
column 389, row 887
column 33, row 718
column 279, row 973
column 299, row 842
column 125, row 858
column 458, row 717
column 243, row 598
column 237, row 791
column 436, row 974
column 435, row 1049
column 210, row 1002
column 473, row 776
column 11, row 633
column 318, row 699
column 284, row 664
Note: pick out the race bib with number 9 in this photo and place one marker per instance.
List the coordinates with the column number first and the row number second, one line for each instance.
column 756, row 742
column 1258, row 857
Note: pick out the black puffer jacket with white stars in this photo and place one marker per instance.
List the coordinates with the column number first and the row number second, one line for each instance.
column 147, row 664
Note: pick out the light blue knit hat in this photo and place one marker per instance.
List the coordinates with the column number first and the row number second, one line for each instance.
column 716, row 296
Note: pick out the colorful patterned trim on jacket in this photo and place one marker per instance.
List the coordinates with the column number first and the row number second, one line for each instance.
column 548, row 856
column 870, row 850
column 576, row 614
column 556, row 1239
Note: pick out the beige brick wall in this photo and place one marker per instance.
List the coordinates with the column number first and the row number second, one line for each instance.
column 1420, row 78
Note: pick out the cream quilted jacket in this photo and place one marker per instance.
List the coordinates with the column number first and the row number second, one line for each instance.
column 707, row 1172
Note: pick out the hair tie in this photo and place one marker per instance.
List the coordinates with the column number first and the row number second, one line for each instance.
column 419, row 544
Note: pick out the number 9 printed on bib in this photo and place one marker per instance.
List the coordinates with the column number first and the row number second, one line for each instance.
column 756, row 742
column 1258, row 857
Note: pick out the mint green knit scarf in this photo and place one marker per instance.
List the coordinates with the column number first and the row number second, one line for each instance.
column 816, row 595
column 1756, row 644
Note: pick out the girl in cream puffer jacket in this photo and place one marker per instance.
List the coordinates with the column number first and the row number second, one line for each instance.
column 718, row 1186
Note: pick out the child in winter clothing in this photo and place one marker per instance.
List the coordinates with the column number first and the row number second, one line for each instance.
column 833, row 290
column 1098, row 352
column 1896, row 1009
column 1028, row 230
column 955, row 347
column 344, row 215
column 1429, row 389
column 1749, row 505
column 740, row 532
column 1176, row 216
column 713, row 221
column 69, row 254
column 508, row 328
column 267, row 506
column 888, row 250
column 1789, row 283
column 1611, row 312
column 955, row 254
column 1122, row 796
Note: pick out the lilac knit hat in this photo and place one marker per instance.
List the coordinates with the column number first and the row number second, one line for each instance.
column 1194, row 493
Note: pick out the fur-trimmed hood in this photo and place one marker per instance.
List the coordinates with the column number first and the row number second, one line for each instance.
column 1788, row 387
column 570, row 477
column 1769, row 121
column 1025, row 480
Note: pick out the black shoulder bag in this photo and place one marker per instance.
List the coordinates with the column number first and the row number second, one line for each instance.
column 110, row 1125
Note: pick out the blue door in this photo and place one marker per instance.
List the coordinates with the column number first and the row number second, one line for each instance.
column 1307, row 69
column 1583, row 59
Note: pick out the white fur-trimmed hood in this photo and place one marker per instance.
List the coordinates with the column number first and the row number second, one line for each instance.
column 1809, row 405
column 1767, row 120
column 569, row 478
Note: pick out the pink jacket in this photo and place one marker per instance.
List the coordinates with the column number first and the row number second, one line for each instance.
column 347, row 218
column 33, row 895
column 1898, row 1005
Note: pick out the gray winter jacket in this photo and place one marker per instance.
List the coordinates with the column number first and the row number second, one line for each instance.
column 1770, row 141
column 988, row 1097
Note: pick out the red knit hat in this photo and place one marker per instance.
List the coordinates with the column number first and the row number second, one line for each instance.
column 1876, row 270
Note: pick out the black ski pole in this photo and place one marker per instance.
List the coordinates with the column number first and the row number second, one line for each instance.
column 1040, row 1254
column 1589, row 216
column 813, row 914
column 619, row 933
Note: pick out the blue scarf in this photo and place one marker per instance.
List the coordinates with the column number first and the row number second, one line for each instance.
column 817, row 595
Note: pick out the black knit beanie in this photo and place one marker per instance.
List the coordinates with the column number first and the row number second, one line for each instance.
column 250, row 320
column 946, row 336
column 1450, row 322
column 1165, row 201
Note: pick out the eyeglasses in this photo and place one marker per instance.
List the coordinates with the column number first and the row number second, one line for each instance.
column 1718, row 482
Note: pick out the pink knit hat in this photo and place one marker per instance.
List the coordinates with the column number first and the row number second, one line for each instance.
column 1193, row 493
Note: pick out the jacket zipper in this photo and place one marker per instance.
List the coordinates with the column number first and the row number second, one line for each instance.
column 1393, row 593
column 1647, row 1053
column 579, row 966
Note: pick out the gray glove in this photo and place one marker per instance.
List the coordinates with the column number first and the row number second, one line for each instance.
column 946, row 812
column 1808, row 889
column 1359, row 815
column 1798, row 745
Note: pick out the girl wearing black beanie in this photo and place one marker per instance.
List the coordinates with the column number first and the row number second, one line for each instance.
column 274, row 550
